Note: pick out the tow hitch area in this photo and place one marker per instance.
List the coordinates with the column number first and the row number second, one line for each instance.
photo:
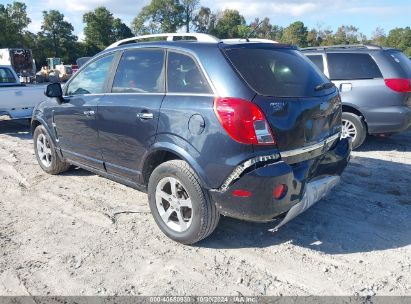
column 314, row 191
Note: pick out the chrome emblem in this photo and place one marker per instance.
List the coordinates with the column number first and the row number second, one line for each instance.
column 277, row 106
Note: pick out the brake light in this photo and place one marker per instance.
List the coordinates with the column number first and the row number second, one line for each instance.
column 243, row 120
column 401, row 85
column 280, row 191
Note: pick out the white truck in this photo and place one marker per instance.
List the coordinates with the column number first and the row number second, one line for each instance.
column 17, row 100
column 22, row 62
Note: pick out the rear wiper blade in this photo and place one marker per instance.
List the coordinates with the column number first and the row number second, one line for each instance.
column 323, row 86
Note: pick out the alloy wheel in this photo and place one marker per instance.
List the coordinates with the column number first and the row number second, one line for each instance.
column 44, row 150
column 174, row 204
column 348, row 129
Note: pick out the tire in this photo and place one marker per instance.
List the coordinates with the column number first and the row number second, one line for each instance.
column 354, row 126
column 46, row 154
column 181, row 223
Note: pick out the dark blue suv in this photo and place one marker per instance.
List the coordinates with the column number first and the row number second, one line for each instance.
column 246, row 129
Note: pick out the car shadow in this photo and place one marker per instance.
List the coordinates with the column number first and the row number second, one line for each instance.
column 16, row 128
column 77, row 171
column 396, row 142
column 369, row 210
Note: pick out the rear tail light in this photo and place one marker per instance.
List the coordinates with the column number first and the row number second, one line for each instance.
column 280, row 191
column 243, row 121
column 401, row 85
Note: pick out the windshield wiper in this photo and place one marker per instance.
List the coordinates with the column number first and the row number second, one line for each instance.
column 323, row 86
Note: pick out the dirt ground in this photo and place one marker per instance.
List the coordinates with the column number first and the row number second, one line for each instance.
column 81, row 234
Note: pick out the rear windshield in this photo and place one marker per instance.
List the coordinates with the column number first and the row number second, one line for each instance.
column 277, row 72
column 402, row 61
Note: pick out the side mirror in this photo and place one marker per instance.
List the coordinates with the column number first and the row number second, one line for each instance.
column 54, row 90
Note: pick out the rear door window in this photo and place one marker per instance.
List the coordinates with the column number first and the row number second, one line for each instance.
column 347, row 66
column 276, row 72
column 6, row 76
column 318, row 61
column 184, row 75
column 140, row 71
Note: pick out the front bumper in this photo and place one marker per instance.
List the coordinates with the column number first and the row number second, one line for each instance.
column 261, row 206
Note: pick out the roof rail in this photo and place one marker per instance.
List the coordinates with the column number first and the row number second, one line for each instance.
column 168, row 37
column 345, row 46
column 248, row 40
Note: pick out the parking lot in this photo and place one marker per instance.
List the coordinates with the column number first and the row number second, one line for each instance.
column 81, row 234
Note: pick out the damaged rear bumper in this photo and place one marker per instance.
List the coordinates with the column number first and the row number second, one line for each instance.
column 306, row 183
column 314, row 191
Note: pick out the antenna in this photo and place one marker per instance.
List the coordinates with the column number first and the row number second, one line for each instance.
column 254, row 29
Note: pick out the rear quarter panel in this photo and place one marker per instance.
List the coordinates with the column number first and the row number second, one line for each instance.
column 211, row 148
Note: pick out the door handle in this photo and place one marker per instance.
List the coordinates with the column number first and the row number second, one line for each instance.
column 89, row 113
column 145, row 115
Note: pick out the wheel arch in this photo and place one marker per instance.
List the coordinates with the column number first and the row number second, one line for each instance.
column 34, row 124
column 348, row 108
column 352, row 109
column 37, row 121
column 162, row 152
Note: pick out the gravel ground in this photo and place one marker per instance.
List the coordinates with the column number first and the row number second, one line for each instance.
column 81, row 234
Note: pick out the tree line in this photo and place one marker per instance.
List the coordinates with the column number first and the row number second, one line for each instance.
column 56, row 37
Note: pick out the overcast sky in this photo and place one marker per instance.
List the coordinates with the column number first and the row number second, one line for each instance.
column 365, row 14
